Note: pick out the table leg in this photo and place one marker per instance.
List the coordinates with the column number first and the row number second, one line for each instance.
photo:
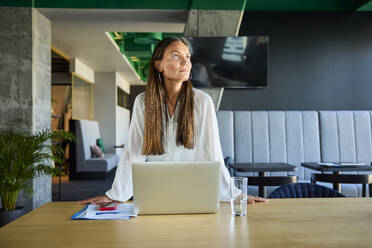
column 261, row 189
column 370, row 190
column 337, row 186
column 312, row 180
column 59, row 187
column 364, row 190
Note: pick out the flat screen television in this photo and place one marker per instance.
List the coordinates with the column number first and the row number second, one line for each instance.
column 230, row 62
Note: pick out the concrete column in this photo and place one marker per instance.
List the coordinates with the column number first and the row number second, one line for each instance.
column 209, row 23
column 25, row 82
column 214, row 23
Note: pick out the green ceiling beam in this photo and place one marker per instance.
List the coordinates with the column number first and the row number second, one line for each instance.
column 127, row 4
column 367, row 6
column 115, row 4
column 360, row 3
column 301, row 5
column 17, row 3
column 185, row 5
column 218, row 5
column 99, row 4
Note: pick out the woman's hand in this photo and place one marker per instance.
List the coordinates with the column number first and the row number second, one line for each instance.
column 100, row 200
column 253, row 199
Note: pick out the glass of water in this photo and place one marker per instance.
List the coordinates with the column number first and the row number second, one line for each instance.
column 238, row 190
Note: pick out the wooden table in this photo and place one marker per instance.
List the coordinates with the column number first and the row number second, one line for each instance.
column 262, row 179
column 336, row 177
column 321, row 222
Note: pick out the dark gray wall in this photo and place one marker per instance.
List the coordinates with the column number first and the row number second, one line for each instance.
column 317, row 61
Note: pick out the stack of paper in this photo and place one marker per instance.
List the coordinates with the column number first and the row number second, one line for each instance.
column 326, row 164
column 91, row 212
column 343, row 164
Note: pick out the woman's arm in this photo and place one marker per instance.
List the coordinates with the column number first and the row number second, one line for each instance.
column 212, row 142
column 100, row 200
column 212, row 146
column 122, row 187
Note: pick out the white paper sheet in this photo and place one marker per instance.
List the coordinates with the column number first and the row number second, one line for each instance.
column 92, row 212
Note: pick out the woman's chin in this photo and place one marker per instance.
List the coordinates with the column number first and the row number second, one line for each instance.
column 186, row 78
column 183, row 79
column 180, row 79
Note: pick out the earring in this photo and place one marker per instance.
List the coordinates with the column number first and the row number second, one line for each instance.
column 190, row 76
column 159, row 75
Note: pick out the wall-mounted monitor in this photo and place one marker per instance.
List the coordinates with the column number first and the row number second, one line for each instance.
column 230, row 62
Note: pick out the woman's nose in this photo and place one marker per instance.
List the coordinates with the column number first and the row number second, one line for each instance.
column 184, row 61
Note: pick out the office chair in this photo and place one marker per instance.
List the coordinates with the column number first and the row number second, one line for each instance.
column 303, row 190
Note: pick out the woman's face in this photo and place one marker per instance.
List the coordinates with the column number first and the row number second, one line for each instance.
column 175, row 64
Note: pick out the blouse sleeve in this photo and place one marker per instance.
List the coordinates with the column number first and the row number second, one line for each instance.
column 213, row 148
column 122, row 187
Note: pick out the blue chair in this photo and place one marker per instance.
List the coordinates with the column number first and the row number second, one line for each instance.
column 303, row 190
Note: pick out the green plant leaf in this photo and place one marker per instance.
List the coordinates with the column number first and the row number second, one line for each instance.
column 24, row 157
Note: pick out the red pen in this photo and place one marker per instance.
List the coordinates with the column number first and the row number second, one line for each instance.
column 111, row 206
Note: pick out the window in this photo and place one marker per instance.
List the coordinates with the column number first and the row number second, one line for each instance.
column 123, row 98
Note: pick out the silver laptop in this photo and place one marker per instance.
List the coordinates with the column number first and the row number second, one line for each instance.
column 176, row 187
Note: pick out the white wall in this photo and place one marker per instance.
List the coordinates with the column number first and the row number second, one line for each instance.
column 122, row 83
column 113, row 120
column 82, row 69
column 122, row 127
column 104, row 105
column 122, row 115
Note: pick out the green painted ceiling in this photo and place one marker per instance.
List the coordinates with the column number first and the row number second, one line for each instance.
column 247, row 5
column 138, row 48
column 366, row 7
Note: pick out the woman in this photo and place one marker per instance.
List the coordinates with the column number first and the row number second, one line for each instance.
column 171, row 121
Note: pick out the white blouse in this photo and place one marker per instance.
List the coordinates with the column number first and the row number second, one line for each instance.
column 207, row 145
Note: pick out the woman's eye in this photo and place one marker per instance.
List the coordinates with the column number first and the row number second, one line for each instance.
column 175, row 56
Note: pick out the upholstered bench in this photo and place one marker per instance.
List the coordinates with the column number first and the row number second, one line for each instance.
column 346, row 136
column 82, row 164
column 295, row 137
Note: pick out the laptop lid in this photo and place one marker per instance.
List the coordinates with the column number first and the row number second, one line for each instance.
column 176, row 187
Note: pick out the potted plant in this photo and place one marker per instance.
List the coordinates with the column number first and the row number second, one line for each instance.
column 24, row 157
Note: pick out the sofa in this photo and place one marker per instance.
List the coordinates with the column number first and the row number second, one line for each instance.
column 82, row 164
column 297, row 136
